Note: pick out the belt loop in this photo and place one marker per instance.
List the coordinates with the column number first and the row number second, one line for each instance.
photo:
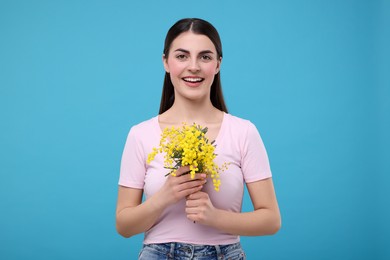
column 171, row 254
column 219, row 252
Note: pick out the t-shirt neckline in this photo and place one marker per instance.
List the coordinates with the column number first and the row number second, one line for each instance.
column 217, row 139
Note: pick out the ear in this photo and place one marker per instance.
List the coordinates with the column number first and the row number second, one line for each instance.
column 165, row 62
column 217, row 69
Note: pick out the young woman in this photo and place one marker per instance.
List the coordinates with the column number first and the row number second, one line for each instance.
column 185, row 218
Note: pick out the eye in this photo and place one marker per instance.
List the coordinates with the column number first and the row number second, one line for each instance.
column 181, row 57
column 206, row 57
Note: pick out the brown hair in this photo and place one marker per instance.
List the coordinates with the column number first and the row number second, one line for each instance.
column 197, row 26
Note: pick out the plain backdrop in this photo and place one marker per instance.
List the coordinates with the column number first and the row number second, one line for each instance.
column 313, row 76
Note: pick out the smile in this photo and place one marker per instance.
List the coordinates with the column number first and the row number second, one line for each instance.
column 193, row 80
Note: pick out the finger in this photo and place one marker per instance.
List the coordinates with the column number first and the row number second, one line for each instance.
column 196, row 195
column 191, row 184
column 193, row 217
column 182, row 170
column 190, row 203
column 201, row 176
column 191, row 211
column 198, row 176
column 198, row 185
column 185, row 192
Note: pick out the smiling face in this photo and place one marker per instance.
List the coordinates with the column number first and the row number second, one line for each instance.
column 192, row 63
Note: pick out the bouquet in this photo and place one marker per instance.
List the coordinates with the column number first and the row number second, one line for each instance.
column 189, row 145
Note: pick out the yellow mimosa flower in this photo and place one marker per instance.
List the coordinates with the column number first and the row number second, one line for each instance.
column 188, row 146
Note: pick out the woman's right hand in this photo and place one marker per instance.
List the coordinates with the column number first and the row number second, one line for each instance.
column 180, row 186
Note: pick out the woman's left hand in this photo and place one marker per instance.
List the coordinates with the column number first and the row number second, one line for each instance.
column 200, row 209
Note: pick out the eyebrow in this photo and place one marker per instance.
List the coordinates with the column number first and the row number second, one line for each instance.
column 187, row 51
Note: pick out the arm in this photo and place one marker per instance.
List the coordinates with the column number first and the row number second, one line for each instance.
column 134, row 217
column 263, row 220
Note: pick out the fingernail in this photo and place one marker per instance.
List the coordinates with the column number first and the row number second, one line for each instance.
column 203, row 175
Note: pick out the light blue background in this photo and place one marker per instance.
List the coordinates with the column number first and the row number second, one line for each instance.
column 312, row 75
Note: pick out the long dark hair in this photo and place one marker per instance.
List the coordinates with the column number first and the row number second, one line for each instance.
column 197, row 26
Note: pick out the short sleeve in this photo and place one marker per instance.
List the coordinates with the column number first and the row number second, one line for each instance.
column 254, row 162
column 133, row 164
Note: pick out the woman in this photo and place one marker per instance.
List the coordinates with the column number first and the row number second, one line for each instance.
column 185, row 218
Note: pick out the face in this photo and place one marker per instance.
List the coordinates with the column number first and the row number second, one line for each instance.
column 192, row 64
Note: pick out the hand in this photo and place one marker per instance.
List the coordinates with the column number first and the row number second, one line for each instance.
column 200, row 209
column 180, row 186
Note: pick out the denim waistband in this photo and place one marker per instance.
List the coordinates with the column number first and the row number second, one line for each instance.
column 176, row 249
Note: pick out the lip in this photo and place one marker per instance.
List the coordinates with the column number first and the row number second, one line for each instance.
column 193, row 81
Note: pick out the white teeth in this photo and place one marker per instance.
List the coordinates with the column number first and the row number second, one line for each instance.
column 193, row 79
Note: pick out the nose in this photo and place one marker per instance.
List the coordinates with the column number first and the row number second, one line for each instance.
column 193, row 65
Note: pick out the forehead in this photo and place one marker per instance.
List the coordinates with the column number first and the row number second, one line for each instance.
column 192, row 42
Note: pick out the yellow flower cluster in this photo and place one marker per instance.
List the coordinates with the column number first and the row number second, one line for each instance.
column 188, row 146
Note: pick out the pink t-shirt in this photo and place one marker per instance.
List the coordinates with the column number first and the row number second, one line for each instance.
column 238, row 143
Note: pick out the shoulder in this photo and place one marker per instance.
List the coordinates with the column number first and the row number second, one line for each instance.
column 241, row 131
column 239, row 124
column 236, row 119
column 145, row 128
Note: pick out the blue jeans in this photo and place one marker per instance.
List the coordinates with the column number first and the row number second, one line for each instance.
column 182, row 251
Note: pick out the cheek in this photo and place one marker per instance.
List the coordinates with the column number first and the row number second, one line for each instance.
column 210, row 69
column 175, row 68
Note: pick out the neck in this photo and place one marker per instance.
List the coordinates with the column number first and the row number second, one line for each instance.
column 190, row 112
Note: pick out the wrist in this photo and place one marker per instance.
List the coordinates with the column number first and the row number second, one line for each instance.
column 216, row 218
